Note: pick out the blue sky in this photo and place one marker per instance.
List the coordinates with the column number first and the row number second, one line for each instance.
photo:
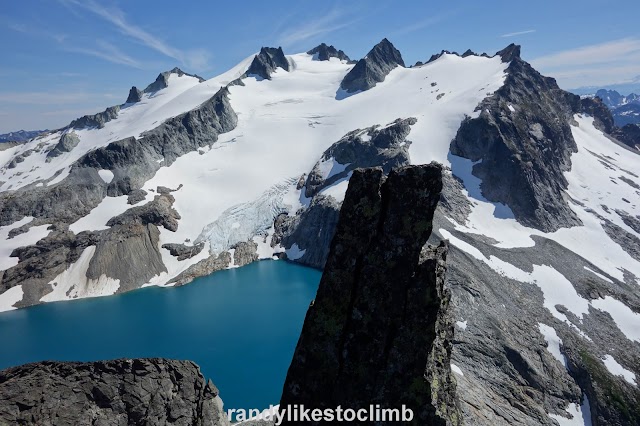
column 65, row 58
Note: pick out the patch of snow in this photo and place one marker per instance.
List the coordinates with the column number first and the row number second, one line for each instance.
column 7, row 245
column 462, row 324
column 617, row 370
column 580, row 416
column 338, row 189
column 330, row 167
column 10, row 298
column 295, row 253
column 97, row 218
column 627, row 321
column 553, row 343
column 456, row 370
column 598, row 275
column 73, row 282
column 106, row 175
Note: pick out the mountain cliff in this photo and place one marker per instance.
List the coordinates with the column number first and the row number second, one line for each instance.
column 539, row 205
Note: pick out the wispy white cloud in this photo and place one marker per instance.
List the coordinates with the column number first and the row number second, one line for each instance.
column 616, row 50
column 197, row 59
column 424, row 23
column 335, row 20
column 48, row 98
column 517, row 33
column 108, row 52
column 36, row 31
column 616, row 61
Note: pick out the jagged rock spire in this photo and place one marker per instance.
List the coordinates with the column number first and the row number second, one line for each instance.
column 373, row 68
column 325, row 52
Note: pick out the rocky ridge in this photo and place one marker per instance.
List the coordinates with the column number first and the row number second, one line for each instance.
column 121, row 392
column 373, row 68
column 324, row 53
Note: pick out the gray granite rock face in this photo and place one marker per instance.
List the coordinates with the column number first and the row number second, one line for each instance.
column 96, row 120
column 245, row 252
column 325, row 52
column 373, row 68
column 522, row 167
column 133, row 162
column 67, row 142
column 135, row 95
column 124, row 392
column 312, row 228
column 387, row 147
column 378, row 331
column 266, row 62
column 628, row 135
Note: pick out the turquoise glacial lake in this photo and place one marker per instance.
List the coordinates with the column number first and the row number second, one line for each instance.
column 240, row 326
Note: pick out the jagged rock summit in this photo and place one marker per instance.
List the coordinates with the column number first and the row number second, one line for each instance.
column 325, row 52
column 266, row 62
column 119, row 392
column 378, row 331
column 373, row 68
column 135, row 95
column 162, row 81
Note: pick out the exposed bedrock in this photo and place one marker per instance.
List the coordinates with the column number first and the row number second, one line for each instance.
column 121, row 392
column 266, row 62
column 67, row 142
column 128, row 250
column 324, row 53
column 96, row 120
column 522, row 142
column 387, row 147
column 378, row 331
column 373, row 68
column 162, row 81
column 312, row 228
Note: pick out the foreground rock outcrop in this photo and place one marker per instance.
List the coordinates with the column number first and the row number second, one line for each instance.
column 378, row 331
column 119, row 392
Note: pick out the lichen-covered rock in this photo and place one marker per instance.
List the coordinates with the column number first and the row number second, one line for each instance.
column 373, row 68
column 122, row 392
column 378, row 331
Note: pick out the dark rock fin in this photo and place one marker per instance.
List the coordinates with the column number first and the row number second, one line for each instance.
column 135, row 95
column 266, row 62
column 509, row 53
column 371, row 335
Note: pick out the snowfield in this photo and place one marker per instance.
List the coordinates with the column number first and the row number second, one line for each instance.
column 232, row 191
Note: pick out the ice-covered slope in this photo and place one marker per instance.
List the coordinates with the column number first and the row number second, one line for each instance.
column 284, row 125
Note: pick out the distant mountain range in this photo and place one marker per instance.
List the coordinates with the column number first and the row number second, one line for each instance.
column 20, row 135
column 625, row 109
